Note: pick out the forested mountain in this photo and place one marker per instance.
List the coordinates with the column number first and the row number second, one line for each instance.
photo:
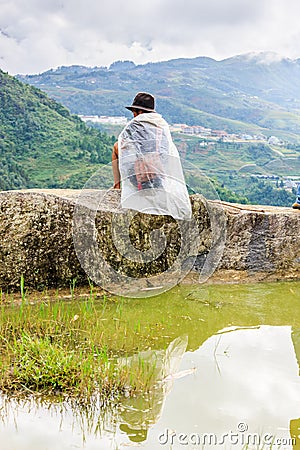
column 253, row 92
column 41, row 143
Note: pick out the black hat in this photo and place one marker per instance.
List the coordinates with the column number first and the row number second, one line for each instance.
column 143, row 101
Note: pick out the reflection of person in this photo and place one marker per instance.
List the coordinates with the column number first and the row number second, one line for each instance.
column 146, row 164
column 296, row 205
column 140, row 412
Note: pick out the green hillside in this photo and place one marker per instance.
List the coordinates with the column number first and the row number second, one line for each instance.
column 252, row 172
column 247, row 93
column 41, row 143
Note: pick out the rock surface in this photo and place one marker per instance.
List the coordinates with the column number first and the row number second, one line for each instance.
column 51, row 237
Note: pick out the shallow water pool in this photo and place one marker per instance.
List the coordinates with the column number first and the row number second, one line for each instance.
column 227, row 359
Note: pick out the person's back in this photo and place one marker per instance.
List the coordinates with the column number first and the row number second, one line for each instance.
column 144, row 145
column 149, row 165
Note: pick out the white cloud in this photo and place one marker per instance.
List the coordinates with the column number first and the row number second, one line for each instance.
column 39, row 34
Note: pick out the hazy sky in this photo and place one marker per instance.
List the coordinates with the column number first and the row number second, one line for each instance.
column 36, row 35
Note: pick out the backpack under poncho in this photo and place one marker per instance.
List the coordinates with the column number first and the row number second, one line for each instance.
column 151, row 173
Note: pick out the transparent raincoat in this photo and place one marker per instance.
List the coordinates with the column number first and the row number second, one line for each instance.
column 152, row 179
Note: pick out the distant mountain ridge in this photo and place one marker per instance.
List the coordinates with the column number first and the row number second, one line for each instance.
column 251, row 92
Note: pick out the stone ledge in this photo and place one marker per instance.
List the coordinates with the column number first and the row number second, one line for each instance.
column 36, row 239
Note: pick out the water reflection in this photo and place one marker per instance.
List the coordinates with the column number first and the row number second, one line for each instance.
column 247, row 376
column 296, row 343
column 244, row 376
column 38, row 425
column 295, row 433
column 246, row 352
column 138, row 413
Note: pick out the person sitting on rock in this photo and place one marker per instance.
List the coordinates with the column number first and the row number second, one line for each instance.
column 296, row 205
column 143, row 103
column 146, row 164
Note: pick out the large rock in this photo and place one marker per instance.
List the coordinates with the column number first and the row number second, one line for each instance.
column 262, row 243
column 51, row 237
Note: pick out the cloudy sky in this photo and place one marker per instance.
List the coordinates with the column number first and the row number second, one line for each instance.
column 36, row 35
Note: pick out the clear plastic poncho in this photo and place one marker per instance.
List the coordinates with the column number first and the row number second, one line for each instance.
column 152, row 179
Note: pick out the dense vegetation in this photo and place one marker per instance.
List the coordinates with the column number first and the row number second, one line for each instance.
column 237, row 169
column 41, row 143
